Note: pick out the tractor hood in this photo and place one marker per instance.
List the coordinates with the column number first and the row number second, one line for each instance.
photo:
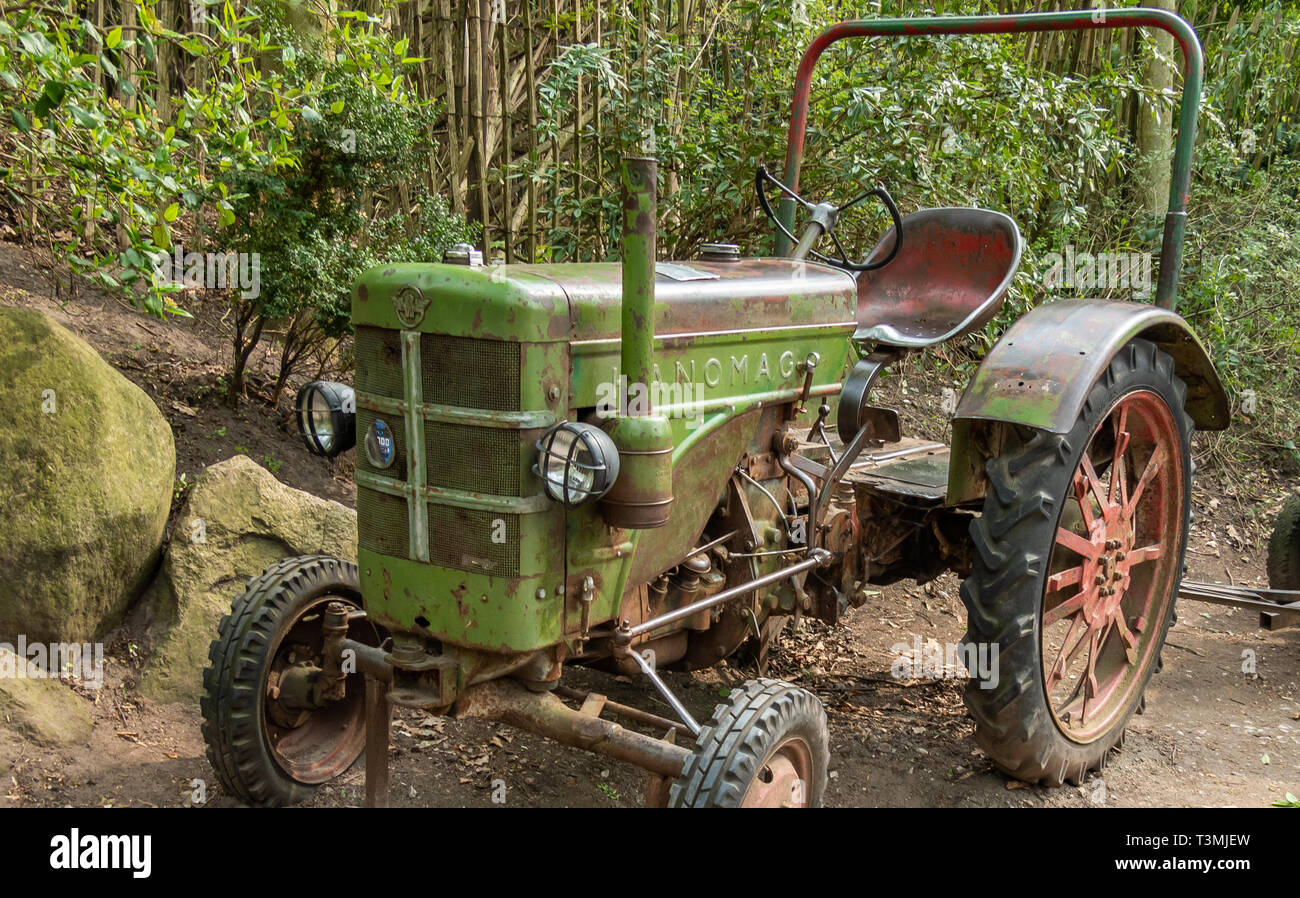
column 582, row 301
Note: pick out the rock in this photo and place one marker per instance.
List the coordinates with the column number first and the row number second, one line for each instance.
column 88, row 463
column 238, row 519
column 42, row 710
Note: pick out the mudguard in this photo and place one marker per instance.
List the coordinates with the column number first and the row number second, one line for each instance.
column 1041, row 371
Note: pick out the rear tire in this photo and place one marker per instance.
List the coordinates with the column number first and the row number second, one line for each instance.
column 263, row 753
column 1053, row 537
column 1284, row 548
column 769, row 747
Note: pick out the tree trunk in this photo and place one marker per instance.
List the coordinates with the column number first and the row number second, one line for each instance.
column 1155, row 115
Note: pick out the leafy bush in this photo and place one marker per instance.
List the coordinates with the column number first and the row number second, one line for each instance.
column 92, row 170
column 294, row 137
column 354, row 199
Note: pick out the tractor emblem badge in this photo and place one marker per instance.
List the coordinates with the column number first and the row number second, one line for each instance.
column 410, row 305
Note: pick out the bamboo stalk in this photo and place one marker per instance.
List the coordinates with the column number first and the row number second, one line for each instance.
column 163, row 53
column 577, row 135
column 506, row 150
column 463, row 77
column 453, row 123
column 126, row 64
column 480, row 49
column 99, row 25
column 599, row 182
column 555, row 145
column 531, row 75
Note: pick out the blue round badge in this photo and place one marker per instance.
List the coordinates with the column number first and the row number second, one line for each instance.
column 381, row 448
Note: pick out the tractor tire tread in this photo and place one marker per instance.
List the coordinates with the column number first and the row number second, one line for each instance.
column 738, row 737
column 232, row 725
column 1003, row 593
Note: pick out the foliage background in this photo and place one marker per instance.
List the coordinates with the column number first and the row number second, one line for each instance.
column 329, row 137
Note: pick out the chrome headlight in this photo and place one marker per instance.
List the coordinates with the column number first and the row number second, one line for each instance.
column 327, row 417
column 577, row 463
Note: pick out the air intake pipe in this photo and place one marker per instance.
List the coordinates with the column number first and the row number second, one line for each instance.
column 642, row 496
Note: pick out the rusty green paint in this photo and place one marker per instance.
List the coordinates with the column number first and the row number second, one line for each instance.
column 705, row 452
column 750, row 295
column 642, row 496
column 1066, row 20
column 782, row 310
column 1042, row 369
column 640, row 228
column 468, row 609
column 521, row 613
column 583, row 301
column 455, row 415
column 740, row 332
column 708, row 372
column 489, row 302
column 698, row 486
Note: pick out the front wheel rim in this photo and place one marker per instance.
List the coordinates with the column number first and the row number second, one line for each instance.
column 1113, row 569
column 784, row 779
column 314, row 746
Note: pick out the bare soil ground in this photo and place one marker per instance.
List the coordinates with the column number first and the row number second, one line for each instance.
column 1222, row 725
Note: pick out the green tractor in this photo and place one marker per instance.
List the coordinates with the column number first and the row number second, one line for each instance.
column 653, row 464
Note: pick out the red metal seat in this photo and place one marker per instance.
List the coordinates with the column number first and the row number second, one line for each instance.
column 947, row 280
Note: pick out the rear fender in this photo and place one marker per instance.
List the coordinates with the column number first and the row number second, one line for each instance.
column 1041, row 371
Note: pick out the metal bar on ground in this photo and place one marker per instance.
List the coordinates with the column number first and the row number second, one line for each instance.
column 619, row 710
column 1278, row 608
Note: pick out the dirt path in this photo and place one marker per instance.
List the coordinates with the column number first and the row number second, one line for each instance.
column 1212, row 735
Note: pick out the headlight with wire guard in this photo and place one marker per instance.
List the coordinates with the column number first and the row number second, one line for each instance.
column 577, row 463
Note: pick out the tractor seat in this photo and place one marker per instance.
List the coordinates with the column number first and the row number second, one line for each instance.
column 947, row 280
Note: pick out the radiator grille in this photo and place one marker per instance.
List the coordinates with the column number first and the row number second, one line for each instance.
column 470, row 373
column 398, row 429
column 382, row 522
column 378, row 354
column 478, row 459
column 465, row 373
column 472, row 540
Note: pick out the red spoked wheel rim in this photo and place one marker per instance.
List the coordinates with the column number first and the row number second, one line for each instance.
column 784, row 780
column 1114, row 566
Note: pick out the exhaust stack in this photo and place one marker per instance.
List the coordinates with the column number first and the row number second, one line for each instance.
column 642, row 496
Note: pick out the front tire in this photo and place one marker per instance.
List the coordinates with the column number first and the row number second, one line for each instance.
column 264, row 753
column 1079, row 552
column 769, row 747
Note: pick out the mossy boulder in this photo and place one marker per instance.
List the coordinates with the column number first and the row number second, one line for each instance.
column 45, row 711
column 237, row 520
column 86, row 469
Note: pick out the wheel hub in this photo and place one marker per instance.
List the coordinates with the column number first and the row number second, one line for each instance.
column 1107, row 569
column 784, row 780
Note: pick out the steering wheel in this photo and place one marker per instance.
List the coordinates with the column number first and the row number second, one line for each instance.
column 824, row 218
